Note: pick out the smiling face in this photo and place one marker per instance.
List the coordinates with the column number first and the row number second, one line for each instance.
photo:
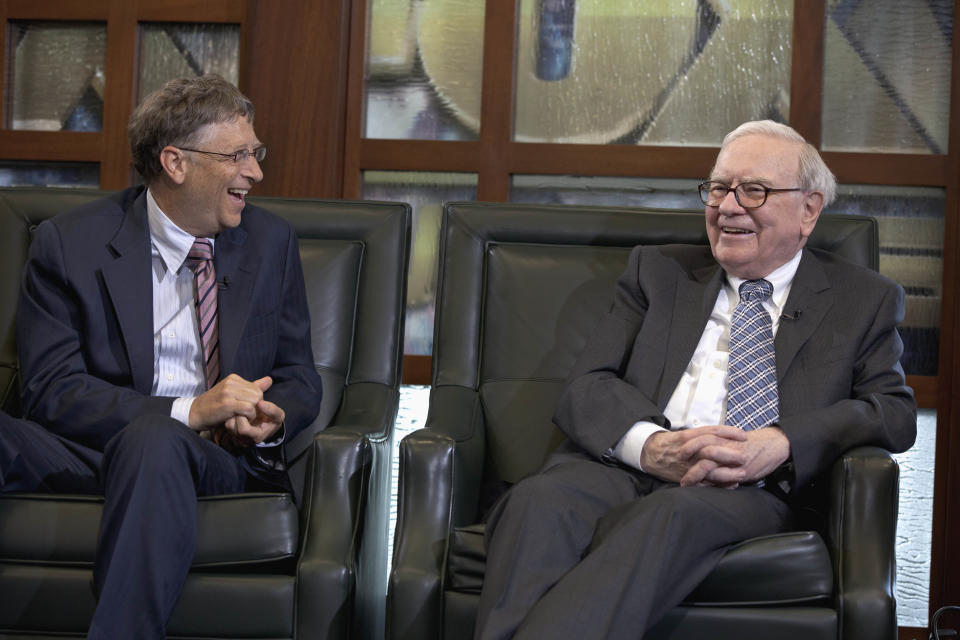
column 751, row 243
column 212, row 190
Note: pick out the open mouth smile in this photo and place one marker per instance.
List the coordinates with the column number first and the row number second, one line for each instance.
column 238, row 194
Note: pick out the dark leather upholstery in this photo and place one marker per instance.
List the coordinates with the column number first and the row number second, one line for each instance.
column 264, row 568
column 521, row 288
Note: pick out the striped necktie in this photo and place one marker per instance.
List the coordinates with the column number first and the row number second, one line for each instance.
column 200, row 261
column 752, row 398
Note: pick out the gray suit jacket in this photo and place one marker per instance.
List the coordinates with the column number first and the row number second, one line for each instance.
column 840, row 381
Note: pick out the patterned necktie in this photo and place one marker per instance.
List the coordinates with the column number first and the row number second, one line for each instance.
column 200, row 261
column 752, row 401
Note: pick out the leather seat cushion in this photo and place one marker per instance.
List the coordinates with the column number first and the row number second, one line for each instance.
column 211, row 605
column 784, row 568
column 232, row 530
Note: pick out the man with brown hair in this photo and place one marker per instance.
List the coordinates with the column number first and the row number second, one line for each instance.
column 164, row 343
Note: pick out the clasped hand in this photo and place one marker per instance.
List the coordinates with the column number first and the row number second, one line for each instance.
column 718, row 455
column 235, row 412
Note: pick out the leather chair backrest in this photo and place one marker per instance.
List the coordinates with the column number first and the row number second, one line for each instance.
column 348, row 250
column 21, row 209
column 522, row 287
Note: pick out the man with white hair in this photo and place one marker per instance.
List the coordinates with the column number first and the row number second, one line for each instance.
column 723, row 380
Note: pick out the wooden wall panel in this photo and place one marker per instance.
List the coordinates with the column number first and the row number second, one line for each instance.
column 297, row 77
column 118, row 99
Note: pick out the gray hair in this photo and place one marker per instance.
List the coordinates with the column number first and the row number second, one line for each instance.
column 176, row 112
column 814, row 175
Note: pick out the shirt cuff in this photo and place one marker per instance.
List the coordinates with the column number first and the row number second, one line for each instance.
column 275, row 440
column 181, row 409
column 630, row 447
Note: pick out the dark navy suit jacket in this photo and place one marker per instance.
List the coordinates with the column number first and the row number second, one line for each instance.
column 85, row 318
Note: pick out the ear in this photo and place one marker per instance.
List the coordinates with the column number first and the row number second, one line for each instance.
column 174, row 164
column 812, row 206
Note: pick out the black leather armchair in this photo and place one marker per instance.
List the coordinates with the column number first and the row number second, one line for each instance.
column 520, row 289
column 265, row 567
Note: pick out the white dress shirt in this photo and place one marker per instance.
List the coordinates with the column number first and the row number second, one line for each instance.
column 177, row 367
column 700, row 398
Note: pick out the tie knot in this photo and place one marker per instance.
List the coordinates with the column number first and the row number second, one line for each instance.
column 201, row 251
column 755, row 290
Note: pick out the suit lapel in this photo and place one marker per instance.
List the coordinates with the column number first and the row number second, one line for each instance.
column 235, row 296
column 126, row 279
column 805, row 308
column 699, row 292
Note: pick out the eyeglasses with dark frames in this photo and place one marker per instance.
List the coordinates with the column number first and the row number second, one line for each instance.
column 749, row 195
column 243, row 155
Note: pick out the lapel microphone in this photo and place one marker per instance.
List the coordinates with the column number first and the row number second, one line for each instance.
column 794, row 316
column 223, row 284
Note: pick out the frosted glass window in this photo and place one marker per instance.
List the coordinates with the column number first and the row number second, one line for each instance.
column 424, row 69
column 910, row 221
column 624, row 72
column 56, row 76
column 49, row 174
column 426, row 193
column 915, row 523
column 886, row 78
column 176, row 50
column 612, row 192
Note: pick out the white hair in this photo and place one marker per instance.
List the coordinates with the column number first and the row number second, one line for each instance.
column 814, row 175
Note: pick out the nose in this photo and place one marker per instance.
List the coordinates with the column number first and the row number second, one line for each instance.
column 252, row 170
column 730, row 205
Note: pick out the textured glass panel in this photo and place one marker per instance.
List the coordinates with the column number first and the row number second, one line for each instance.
column 915, row 523
column 424, row 67
column 886, row 84
column 612, row 192
column 57, row 76
column 911, row 252
column 176, row 50
column 681, row 72
column 426, row 193
column 49, row 174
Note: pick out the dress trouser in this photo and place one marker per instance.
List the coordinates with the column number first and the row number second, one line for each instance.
column 589, row 550
column 150, row 475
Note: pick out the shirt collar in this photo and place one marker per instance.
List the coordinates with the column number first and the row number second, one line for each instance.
column 172, row 243
column 781, row 278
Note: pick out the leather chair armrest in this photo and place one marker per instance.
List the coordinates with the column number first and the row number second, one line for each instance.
column 345, row 510
column 368, row 409
column 456, row 412
column 337, row 473
column 424, row 511
column 861, row 537
column 439, row 465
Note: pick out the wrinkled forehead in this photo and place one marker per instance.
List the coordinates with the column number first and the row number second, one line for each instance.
column 758, row 158
column 237, row 131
